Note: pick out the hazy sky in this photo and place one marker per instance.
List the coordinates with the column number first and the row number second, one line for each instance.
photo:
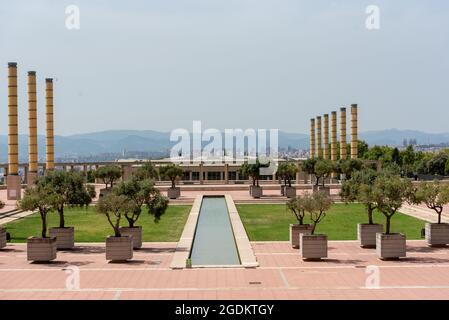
column 230, row 63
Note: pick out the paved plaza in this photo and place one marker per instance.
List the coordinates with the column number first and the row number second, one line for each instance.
column 282, row 274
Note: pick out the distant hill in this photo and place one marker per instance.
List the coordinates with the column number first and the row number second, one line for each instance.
column 115, row 141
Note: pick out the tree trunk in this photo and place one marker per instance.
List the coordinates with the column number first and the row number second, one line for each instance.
column 313, row 229
column 439, row 211
column 44, row 224
column 387, row 227
column 370, row 214
column 173, row 184
column 61, row 217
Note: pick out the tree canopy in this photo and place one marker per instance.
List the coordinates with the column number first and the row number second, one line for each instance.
column 108, row 174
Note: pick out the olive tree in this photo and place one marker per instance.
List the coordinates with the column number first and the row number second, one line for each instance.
column 40, row 198
column 171, row 172
column 146, row 171
column 317, row 207
column 360, row 189
column 108, row 174
column 348, row 167
column 298, row 206
column 69, row 190
column 114, row 207
column 389, row 193
column 251, row 170
column 323, row 169
column 140, row 193
column 287, row 171
column 434, row 195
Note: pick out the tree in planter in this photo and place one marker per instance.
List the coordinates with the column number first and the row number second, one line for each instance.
column 287, row 171
column 297, row 206
column 108, row 174
column 114, row 207
column 171, row 172
column 146, row 171
column 69, row 190
column 317, row 206
column 389, row 193
column 41, row 198
column 309, row 167
column 360, row 189
column 251, row 170
column 140, row 193
column 434, row 195
column 323, row 169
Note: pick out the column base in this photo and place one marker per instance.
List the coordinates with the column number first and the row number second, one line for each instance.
column 32, row 177
column 14, row 187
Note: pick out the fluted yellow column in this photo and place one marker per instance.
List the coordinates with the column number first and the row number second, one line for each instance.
column 50, row 145
column 334, row 136
column 343, row 133
column 32, row 128
column 312, row 138
column 319, row 146
column 354, row 139
column 326, row 137
column 334, row 139
column 13, row 178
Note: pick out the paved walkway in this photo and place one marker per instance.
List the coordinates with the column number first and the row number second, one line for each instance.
column 424, row 274
column 424, row 213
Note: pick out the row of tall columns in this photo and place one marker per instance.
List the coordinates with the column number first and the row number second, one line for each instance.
column 13, row 180
column 32, row 129
column 312, row 138
column 317, row 143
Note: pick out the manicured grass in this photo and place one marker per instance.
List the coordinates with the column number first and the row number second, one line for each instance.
column 91, row 226
column 270, row 222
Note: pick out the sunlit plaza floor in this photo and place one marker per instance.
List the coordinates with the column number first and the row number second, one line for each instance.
column 350, row 272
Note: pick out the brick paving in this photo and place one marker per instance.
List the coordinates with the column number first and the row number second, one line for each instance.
column 282, row 274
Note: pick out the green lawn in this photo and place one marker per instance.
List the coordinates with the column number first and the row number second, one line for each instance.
column 270, row 222
column 91, row 226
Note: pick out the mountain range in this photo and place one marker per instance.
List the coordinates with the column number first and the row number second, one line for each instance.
column 116, row 141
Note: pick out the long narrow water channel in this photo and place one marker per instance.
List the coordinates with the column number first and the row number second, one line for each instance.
column 214, row 242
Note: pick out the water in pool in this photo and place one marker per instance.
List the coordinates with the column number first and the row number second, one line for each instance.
column 214, row 242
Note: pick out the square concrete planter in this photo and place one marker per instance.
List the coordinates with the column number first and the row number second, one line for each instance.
column 437, row 234
column 290, row 192
column 296, row 230
column 256, row 192
column 174, row 193
column 65, row 237
column 2, row 237
column 366, row 234
column 119, row 248
column 390, row 246
column 41, row 249
column 313, row 247
column 135, row 232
